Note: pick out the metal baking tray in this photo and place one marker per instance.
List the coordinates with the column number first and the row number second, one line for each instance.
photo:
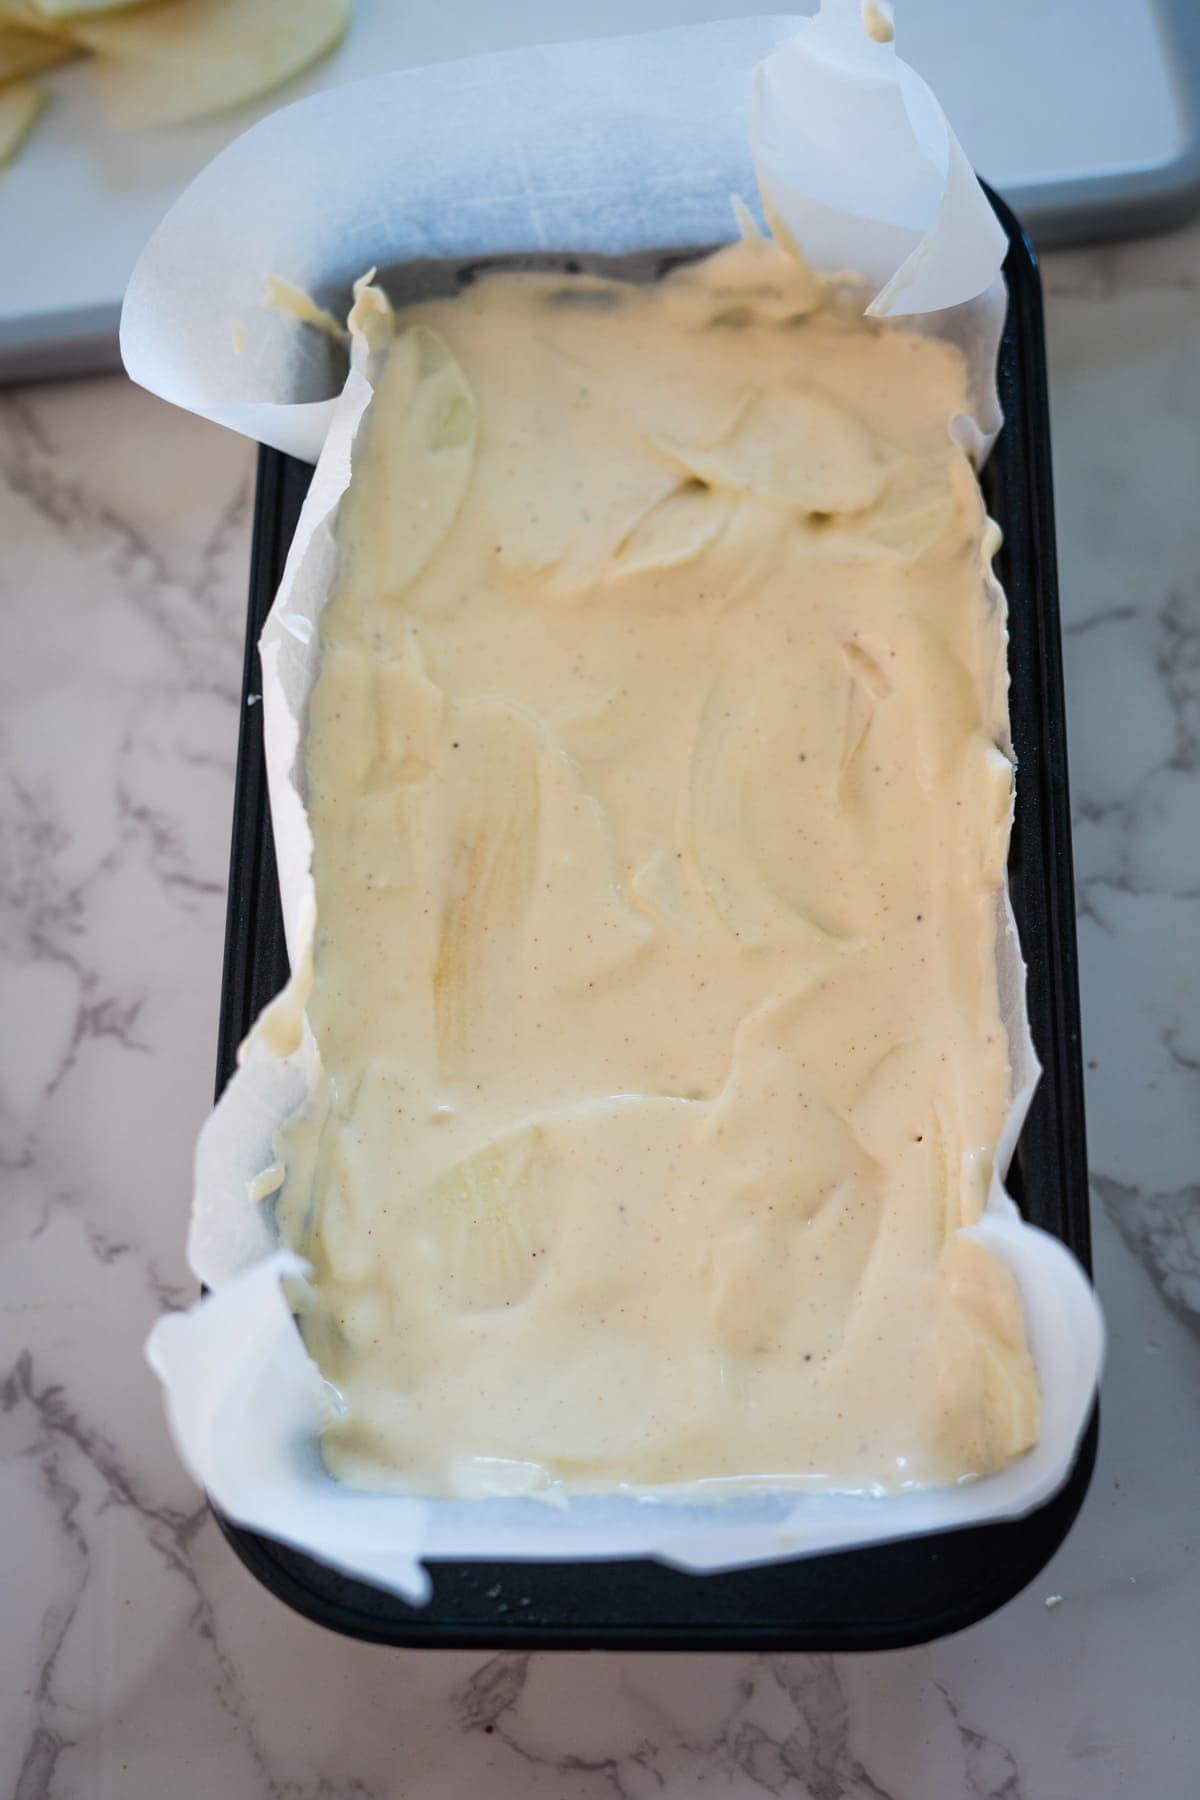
column 1086, row 111
column 873, row 1598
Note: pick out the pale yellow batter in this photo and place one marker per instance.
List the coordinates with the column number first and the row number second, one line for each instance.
column 660, row 824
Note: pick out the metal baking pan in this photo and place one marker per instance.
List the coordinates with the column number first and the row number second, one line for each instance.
column 873, row 1598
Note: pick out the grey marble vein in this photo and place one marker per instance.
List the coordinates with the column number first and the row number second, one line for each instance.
column 1163, row 1231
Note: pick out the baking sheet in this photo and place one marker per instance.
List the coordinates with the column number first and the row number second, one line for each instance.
column 1109, row 149
column 612, row 148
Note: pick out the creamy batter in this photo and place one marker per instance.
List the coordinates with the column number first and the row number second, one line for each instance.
column 660, row 816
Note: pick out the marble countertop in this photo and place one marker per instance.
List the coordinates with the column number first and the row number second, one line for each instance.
column 137, row 1658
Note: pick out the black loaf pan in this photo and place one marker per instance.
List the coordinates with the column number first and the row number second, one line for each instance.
column 880, row 1597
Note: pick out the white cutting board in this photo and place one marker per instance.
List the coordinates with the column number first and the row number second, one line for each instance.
column 1078, row 111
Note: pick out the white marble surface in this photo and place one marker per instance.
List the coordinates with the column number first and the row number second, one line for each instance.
column 137, row 1658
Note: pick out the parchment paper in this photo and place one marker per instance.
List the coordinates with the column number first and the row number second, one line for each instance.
column 610, row 147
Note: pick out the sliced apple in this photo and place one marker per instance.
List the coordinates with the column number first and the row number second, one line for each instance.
column 673, row 531
column 729, row 868
column 422, row 429
column 20, row 104
column 489, row 1218
column 492, row 807
column 794, row 447
column 29, row 52
column 162, row 65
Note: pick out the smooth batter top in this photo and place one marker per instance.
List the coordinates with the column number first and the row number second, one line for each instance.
column 660, row 825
